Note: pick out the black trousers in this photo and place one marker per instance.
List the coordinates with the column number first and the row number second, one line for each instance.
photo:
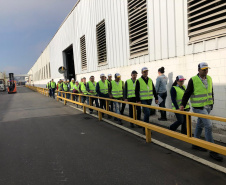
column 131, row 108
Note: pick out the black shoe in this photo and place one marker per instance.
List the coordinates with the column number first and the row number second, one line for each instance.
column 216, row 156
column 199, row 148
column 91, row 112
column 131, row 125
column 162, row 119
column 120, row 122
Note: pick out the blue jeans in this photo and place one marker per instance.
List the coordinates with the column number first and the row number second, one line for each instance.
column 117, row 107
column 147, row 111
column 201, row 123
column 93, row 99
column 163, row 104
column 66, row 95
column 83, row 99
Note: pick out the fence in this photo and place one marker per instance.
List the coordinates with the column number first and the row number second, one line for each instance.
column 148, row 127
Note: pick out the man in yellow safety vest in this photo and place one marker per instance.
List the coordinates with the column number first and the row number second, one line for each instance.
column 91, row 89
column 130, row 96
column 116, row 92
column 145, row 92
column 200, row 92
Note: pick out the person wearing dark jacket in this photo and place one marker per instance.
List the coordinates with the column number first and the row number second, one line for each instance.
column 200, row 92
column 145, row 91
column 177, row 92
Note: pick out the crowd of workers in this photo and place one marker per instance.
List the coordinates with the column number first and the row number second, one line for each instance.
column 142, row 90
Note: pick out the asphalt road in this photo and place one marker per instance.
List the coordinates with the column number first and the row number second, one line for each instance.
column 43, row 142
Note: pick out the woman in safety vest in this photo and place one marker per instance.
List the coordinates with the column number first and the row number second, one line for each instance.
column 177, row 93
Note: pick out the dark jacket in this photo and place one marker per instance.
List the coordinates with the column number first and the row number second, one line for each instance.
column 189, row 91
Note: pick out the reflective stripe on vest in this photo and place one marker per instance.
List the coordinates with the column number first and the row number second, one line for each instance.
column 59, row 87
column 146, row 90
column 131, row 88
column 201, row 96
column 117, row 91
column 65, row 87
column 92, row 87
column 103, row 87
column 83, row 88
column 49, row 85
column 71, row 85
column 53, row 85
column 180, row 94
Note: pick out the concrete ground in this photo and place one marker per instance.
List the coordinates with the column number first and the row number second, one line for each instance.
column 43, row 142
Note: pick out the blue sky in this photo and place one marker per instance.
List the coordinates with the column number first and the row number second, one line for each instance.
column 26, row 27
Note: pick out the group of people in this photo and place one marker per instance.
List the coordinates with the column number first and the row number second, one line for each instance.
column 142, row 91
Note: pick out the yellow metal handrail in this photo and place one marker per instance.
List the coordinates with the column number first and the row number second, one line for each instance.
column 148, row 127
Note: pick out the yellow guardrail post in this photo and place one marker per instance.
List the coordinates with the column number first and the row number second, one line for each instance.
column 84, row 109
column 65, row 95
column 148, row 135
column 134, row 112
column 90, row 103
column 188, row 123
column 80, row 98
column 100, row 115
column 107, row 105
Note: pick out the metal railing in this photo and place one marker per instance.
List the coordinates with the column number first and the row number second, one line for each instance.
column 148, row 127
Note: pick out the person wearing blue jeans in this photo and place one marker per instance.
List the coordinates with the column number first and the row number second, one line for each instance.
column 200, row 92
column 204, row 123
column 146, row 110
column 145, row 91
column 161, row 90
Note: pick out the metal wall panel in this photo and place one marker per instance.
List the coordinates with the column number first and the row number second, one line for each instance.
column 167, row 31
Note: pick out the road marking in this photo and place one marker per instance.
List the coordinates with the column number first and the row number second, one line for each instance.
column 164, row 145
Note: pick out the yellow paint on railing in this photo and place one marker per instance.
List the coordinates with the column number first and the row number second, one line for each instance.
column 148, row 127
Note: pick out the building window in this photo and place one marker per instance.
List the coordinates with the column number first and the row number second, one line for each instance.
column 206, row 19
column 138, row 27
column 83, row 52
column 101, row 43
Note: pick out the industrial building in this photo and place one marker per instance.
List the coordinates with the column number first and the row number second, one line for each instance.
column 109, row 36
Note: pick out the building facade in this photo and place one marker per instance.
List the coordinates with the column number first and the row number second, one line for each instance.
column 109, row 36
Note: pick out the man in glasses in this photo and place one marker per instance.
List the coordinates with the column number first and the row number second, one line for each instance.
column 200, row 92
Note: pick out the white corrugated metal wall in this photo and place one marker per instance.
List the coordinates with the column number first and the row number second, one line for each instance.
column 168, row 46
column 167, row 25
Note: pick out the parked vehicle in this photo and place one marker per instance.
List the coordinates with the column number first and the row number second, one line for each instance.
column 2, row 85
